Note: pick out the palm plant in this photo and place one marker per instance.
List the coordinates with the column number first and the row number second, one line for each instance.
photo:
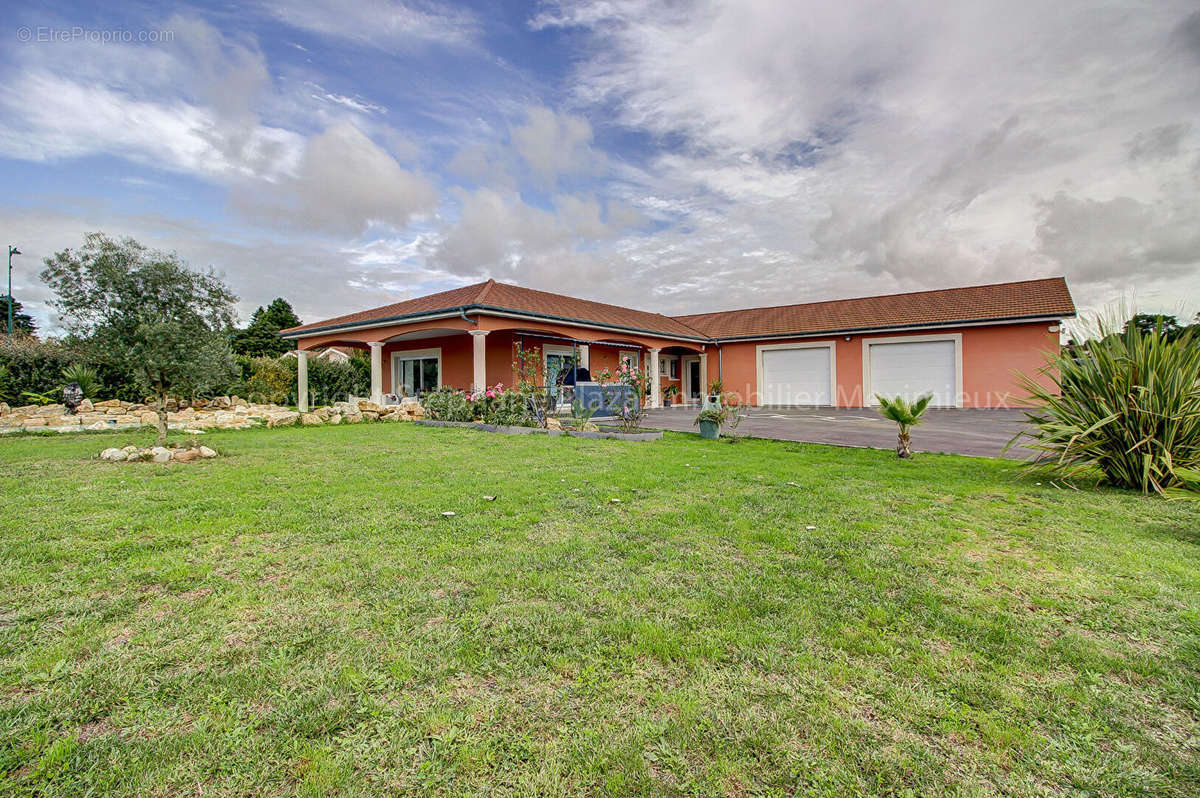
column 86, row 376
column 1124, row 405
column 906, row 415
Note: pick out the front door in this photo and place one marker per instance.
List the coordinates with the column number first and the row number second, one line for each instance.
column 693, row 380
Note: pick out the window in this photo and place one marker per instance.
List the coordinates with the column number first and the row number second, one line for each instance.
column 674, row 368
column 414, row 373
column 630, row 358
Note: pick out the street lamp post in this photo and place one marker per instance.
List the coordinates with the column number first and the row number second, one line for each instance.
column 11, row 251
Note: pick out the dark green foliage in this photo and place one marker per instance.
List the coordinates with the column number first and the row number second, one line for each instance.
column 330, row 381
column 86, row 377
column 22, row 322
column 447, row 404
column 146, row 311
column 1124, row 405
column 32, row 366
column 504, row 408
column 259, row 339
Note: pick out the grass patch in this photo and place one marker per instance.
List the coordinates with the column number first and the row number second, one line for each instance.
column 297, row 617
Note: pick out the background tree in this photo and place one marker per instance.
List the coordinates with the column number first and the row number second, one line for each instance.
column 22, row 322
column 259, row 339
column 1156, row 323
column 168, row 325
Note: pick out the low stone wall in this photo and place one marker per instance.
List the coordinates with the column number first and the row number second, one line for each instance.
column 223, row 412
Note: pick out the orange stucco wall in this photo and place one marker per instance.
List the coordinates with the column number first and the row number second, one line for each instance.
column 992, row 357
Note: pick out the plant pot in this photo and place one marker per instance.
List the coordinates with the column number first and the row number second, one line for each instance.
column 710, row 430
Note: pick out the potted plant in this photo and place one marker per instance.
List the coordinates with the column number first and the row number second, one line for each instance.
column 669, row 394
column 710, row 421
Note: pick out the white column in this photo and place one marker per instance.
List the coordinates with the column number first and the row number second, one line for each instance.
column 655, row 379
column 376, row 371
column 479, row 378
column 703, row 376
column 302, row 380
column 585, row 357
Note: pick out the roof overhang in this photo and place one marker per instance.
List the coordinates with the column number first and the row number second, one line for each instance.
column 491, row 310
column 940, row 325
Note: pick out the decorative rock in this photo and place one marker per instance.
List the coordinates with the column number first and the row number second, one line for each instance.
column 35, row 422
column 85, row 406
column 310, row 419
column 160, row 454
column 5, row 409
column 284, row 419
column 114, row 454
column 207, row 452
column 553, row 423
column 369, row 407
column 184, row 455
column 335, row 418
column 108, row 403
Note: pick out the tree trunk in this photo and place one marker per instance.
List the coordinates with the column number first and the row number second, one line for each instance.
column 160, row 407
column 904, row 444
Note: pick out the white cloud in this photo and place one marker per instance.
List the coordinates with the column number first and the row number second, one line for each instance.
column 344, row 183
column 554, row 144
column 385, row 24
column 858, row 147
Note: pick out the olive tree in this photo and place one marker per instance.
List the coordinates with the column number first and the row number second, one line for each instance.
column 148, row 311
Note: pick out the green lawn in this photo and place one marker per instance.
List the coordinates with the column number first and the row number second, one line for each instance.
column 298, row 617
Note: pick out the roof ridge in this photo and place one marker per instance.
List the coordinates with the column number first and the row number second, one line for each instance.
column 874, row 296
column 487, row 288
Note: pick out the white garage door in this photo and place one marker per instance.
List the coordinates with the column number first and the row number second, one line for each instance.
column 914, row 369
column 798, row 376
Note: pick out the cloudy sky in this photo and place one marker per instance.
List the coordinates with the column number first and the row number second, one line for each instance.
column 678, row 157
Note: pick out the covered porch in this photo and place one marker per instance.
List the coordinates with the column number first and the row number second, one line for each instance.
column 474, row 352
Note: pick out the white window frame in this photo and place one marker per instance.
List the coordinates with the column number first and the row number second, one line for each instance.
column 414, row 354
column 869, row 399
column 632, row 353
column 830, row 345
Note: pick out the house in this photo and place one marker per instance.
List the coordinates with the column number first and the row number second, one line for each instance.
column 966, row 346
column 334, row 354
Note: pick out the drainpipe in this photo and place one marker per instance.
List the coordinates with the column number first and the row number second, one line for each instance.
column 463, row 312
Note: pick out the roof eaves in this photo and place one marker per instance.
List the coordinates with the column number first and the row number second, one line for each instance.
column 883, row 328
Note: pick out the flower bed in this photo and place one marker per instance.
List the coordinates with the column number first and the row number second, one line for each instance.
column 503, row 429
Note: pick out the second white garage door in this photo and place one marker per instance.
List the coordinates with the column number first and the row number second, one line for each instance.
column 913, row 369
column 796, row 376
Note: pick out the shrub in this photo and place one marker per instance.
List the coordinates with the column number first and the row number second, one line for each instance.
column 509, row 408
column 86, row 376
column 272, row 380
column 1125, row 405
column 331, row 381
column 447, row 404
column 32, row 367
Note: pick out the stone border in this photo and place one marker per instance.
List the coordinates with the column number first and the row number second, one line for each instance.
column 652, row 435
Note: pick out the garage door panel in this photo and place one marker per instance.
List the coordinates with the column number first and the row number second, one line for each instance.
column 796, row 376
column 915, row 368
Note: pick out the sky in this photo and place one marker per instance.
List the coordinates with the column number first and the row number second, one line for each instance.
column 673, row 157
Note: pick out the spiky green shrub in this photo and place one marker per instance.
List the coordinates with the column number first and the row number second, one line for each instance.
column 1124, row 405
column 86, row 376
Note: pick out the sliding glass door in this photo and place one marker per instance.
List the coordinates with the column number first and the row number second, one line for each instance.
column 416, row 374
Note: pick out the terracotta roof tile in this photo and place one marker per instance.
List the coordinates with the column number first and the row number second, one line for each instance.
column 502, row 296
column 1047, row 297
